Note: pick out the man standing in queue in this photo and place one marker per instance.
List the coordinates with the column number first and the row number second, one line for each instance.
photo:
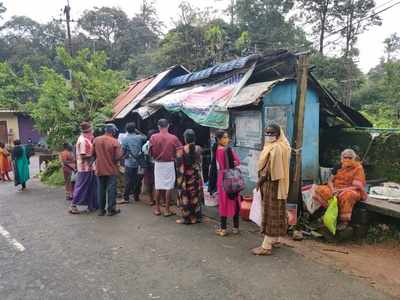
column 163, row 148
column 108, row 153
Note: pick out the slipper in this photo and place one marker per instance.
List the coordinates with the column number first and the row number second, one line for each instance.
column 182, row 221
column 74, row 211
column 122, row 202
column 157, row 213
column 260, row 251
column 168, row 214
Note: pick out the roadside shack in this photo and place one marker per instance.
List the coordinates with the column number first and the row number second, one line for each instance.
column 243, row 96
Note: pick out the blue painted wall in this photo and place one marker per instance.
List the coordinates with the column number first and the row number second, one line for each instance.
column 282, row 100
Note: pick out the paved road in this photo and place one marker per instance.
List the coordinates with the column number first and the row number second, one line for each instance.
column 139, row 256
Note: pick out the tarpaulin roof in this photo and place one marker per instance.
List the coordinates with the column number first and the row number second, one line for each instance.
column 213, row 71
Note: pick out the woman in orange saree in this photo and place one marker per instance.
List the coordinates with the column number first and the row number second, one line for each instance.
column 5, row 164
column 347, row 185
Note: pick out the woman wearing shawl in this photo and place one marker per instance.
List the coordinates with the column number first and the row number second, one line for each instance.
column 5, row 164
column 85, row 190
column 228, row 204
column 21, row 164
column 347, row 185
column 273, row 183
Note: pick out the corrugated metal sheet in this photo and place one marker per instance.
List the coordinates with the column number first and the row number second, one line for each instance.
column 252, row 93
column 146, row 111
column 213, row 71
column 134, row 89
column 140, row 89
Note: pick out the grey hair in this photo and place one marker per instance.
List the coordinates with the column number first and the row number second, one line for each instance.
column 350, row 152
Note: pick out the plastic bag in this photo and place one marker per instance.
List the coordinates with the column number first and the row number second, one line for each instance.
column 255, row 210
column 331, row 215
column 311, row 205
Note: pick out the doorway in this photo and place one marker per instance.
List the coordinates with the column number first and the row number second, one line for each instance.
column 3, row 132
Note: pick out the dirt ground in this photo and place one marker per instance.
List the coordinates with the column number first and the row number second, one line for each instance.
column 379, row 264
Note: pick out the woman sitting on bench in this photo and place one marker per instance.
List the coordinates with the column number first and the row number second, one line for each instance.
column 347, row 184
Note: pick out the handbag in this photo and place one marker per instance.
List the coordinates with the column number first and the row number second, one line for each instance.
column 232, row 180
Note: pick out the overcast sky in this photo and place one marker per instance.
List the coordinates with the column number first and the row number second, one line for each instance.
column 370, row 43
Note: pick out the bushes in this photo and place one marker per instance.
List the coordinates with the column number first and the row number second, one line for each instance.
column 381, row 161
column 53, row 175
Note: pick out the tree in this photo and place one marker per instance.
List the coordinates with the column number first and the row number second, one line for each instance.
column 331, row 71
column 92, row 90
column 321, row 14
column 17, row 90
column 215, row 37
column 392, row 46
column 107, row 26
column 149, row 18
column 2, row 10
column 355, row 16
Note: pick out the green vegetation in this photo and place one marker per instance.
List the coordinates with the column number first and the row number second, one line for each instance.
column 109, row 48
column 53, row 174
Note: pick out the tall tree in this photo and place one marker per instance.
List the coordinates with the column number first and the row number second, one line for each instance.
column 2, row 10
column 267, row 25
column 355, row 16
column 106, row 26
column 392, row 46
column 321, row 15
column 149, row 17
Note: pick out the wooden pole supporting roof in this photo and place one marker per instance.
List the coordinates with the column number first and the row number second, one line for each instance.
column 297, row 143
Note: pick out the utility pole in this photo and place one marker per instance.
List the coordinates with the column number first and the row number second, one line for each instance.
column 297, row 143
column 67, row 13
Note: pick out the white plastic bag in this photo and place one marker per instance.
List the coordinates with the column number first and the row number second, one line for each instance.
column 210, row 200
column 256, row 208
column 311, row 205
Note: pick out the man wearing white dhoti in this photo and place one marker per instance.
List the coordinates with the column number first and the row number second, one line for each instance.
column 163, row 147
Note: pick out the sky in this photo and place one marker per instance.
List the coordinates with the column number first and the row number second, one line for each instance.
column 370, row 43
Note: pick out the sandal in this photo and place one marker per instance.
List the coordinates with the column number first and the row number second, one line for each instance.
column 260, row 251
column 235, row 231
column 277, row 245
column 157, row 213
column 182, row 221
column 73, row 210
column 168, row 214
column 221, row 232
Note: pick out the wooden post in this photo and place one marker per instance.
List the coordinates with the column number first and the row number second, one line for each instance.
column 297, row 143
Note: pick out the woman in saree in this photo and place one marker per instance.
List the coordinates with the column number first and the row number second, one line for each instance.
column 273, row 183
column 5, row 164
column 20, row 160
column 224, row 157
column 347, row 185
column 189, row 180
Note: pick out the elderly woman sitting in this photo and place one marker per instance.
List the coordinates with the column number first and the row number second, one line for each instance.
column 347, row 185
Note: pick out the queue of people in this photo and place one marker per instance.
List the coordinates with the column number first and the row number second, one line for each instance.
column 161, row 165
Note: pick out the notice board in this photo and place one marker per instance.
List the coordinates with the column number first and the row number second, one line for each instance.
column 278, row 115
column 248, row 129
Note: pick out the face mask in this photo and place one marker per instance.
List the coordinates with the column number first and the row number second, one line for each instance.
column 348, row 163
column 270, row 138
